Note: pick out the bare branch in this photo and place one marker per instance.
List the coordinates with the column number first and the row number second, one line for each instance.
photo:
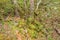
column 38, row 4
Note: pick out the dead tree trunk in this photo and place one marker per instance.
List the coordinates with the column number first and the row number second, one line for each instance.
column 26, row 9
column 14, row 2
column 31, row 7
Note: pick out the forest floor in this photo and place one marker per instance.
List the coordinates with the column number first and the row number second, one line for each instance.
column 15, row 28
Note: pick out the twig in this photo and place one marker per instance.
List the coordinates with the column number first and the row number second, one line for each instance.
column 38, row 4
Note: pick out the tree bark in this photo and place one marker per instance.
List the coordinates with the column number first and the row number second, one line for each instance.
column 25, row 9
column 14, row 2
column 32, row 8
